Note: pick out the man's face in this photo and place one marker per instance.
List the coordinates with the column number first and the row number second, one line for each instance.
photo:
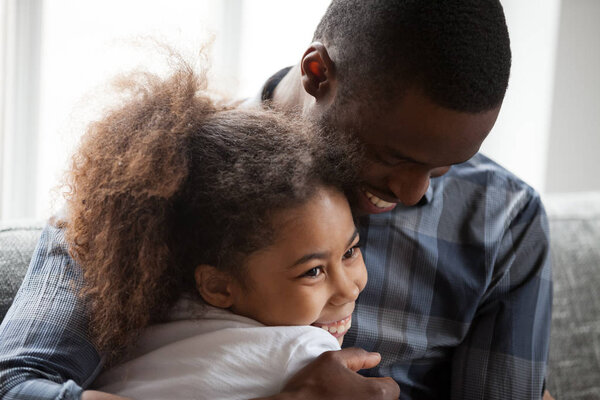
column 408, row 143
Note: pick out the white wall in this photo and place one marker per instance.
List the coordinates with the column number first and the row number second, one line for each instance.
column 275, row 34
column 574, row 146
column 519, row 141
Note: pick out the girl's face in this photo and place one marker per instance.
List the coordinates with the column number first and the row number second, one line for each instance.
column 311, row 274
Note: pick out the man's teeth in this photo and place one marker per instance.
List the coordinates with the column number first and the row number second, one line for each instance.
column 377, row 202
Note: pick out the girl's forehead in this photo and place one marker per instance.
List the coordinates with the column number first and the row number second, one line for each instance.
column 324, row 202
column 321, row 219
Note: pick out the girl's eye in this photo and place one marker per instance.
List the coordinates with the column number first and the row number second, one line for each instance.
column 352, row 251
column 314, row 272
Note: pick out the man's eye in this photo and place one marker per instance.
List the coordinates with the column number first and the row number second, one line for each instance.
column 351, row 252
column 385, row 160
column 314, row 272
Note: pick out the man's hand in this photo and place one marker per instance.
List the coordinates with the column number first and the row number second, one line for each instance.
column 95, row 395
column 547, row 396
column 333, row 376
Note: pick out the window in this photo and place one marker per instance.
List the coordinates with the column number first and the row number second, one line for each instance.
column 58, row 54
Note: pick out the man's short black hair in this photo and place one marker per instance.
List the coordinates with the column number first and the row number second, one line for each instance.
column 456, row 51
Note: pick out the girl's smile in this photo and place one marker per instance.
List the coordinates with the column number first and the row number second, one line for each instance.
column 336, row 328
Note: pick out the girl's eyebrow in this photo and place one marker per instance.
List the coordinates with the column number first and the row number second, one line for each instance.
column 323, row 255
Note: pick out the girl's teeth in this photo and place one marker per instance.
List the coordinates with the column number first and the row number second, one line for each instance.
column 338, row 328
column 377, row 202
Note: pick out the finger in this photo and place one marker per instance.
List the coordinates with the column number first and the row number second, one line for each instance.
column 547, row 396
column 385, row 388
column 355, row 358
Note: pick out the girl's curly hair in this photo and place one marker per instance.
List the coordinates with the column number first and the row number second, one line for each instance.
column 168, row 180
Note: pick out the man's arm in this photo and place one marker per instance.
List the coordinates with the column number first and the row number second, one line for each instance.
column 333, row 376
column 505, row 353
column 44, row 349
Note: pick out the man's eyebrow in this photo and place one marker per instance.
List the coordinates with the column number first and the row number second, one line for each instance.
column 322, row 255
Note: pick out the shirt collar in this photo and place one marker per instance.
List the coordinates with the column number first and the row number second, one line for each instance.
column 427, row 197
column 271, row 83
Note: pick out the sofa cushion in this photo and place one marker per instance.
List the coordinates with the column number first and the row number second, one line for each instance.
column 574, row 364
column 17, row 243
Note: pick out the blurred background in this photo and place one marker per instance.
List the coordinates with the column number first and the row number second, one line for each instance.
column 56, row 55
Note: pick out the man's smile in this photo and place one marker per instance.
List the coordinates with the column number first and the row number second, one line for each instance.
column 378, row 202
column 372, row 204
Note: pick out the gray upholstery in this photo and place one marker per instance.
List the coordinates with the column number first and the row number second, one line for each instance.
column 575, row 343
column 17, row 243
column 574, row 371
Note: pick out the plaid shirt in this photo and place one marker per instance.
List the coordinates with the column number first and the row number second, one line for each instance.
column 460, row 290
column 458, row 300
column 44, row 349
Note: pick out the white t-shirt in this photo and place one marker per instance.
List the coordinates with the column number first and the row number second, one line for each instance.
column 210, row 353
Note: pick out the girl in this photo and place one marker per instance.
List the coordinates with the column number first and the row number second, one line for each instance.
column 219, row 252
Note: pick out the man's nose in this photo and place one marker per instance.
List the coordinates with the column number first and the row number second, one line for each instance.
column 409, row 190
column 436, row 172
column 410, row 187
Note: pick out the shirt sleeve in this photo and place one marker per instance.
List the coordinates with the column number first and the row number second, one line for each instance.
column 309, row 343
column 45, row 352
column 505, row 352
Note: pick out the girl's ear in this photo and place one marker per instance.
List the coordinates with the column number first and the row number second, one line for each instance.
column 214, row 286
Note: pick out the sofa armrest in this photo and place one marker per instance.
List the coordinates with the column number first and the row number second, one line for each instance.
column 17, row 243
column 574, row 362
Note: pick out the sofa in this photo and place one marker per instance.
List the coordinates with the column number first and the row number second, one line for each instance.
column 574, row 362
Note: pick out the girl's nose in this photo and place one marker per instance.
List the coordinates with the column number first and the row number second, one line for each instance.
column 345, row 288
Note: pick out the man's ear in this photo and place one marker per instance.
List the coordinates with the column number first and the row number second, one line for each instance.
column 318, row 72
column 214, row 286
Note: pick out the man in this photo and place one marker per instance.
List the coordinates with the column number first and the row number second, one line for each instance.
column 459, row 293
column 459, row 297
